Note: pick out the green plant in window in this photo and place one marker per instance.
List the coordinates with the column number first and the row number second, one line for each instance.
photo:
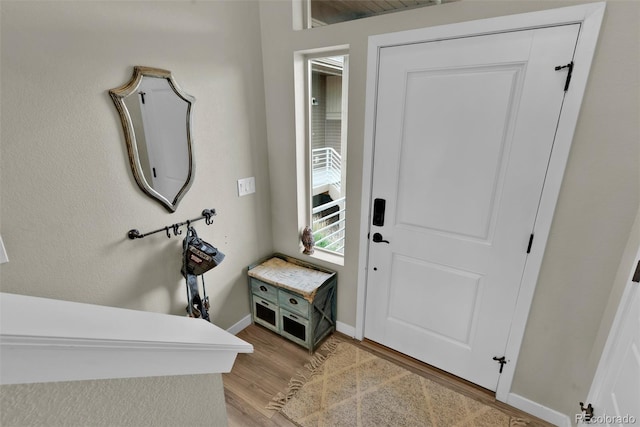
column 317, row 236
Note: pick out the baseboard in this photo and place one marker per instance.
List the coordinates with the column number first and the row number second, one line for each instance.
column 343, row 328
column 348, row 330
column 243, row 323
column 529, row 406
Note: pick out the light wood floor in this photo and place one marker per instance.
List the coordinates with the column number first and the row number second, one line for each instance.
column 259, row 376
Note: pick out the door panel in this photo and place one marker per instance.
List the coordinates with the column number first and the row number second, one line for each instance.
column 450, row 310
column 439, row 171
column 463, row 134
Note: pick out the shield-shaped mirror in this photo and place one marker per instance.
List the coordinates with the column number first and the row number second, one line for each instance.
column 156, row 119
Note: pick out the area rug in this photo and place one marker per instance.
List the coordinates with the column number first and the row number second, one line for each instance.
column 344, row 385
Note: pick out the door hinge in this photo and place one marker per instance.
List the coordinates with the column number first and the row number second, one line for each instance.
column 501, row 360
column 530, row 243
column 587, row 412
column 569, row 72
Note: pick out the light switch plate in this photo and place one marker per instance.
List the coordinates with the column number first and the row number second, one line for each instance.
column 246, row 186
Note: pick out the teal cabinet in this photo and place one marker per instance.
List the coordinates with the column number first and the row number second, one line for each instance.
column 294, row 298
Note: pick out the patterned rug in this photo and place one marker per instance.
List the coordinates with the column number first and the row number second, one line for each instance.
column 344, row 385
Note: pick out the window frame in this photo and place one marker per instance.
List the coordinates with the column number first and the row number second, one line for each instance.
column 304, row 184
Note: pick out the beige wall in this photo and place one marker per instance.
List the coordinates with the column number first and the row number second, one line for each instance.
column 68, row 198
column 68, row 195
column 598, row 202
column 189, row 400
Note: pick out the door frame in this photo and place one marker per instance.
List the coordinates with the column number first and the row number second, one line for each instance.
column 590, row 17
column 611, row 349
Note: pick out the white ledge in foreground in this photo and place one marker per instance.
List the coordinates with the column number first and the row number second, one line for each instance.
column 45, row 340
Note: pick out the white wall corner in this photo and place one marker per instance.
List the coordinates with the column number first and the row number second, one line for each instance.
column 240, row 325
column 547, row 414
column 348, row 330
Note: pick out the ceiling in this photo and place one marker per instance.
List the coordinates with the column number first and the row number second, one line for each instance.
column 324, row 12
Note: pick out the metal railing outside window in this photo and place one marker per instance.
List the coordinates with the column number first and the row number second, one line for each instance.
column 329, row 225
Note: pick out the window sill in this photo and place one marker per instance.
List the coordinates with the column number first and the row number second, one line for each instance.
column 327, row 256
column 45, row 340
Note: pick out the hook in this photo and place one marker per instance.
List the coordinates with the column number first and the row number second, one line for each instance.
column 208, row 214
column 166, row 229
column 176, row 229
column 134, row 234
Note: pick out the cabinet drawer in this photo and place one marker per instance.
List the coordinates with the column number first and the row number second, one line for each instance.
column 293, row 303
column 264, row 290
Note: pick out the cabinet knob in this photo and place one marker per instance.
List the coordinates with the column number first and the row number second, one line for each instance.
column 293, row 301
column 263, row 288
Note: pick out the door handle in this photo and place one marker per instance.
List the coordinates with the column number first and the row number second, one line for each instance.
column 377, row 238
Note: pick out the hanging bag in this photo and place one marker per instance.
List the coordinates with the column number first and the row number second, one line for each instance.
column 200, row 256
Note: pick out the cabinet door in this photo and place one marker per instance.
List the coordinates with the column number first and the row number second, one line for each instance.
column 266, row 313
column 295, row 328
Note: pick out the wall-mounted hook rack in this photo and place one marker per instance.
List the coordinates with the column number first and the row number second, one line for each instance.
column 207, row 215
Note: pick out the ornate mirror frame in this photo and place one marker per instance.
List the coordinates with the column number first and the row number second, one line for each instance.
column 118, row 95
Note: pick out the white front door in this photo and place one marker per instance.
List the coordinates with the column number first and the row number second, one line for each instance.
column 463, row 134
column 615, row 392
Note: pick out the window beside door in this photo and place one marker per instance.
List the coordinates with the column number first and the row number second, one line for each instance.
column 325, row 144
